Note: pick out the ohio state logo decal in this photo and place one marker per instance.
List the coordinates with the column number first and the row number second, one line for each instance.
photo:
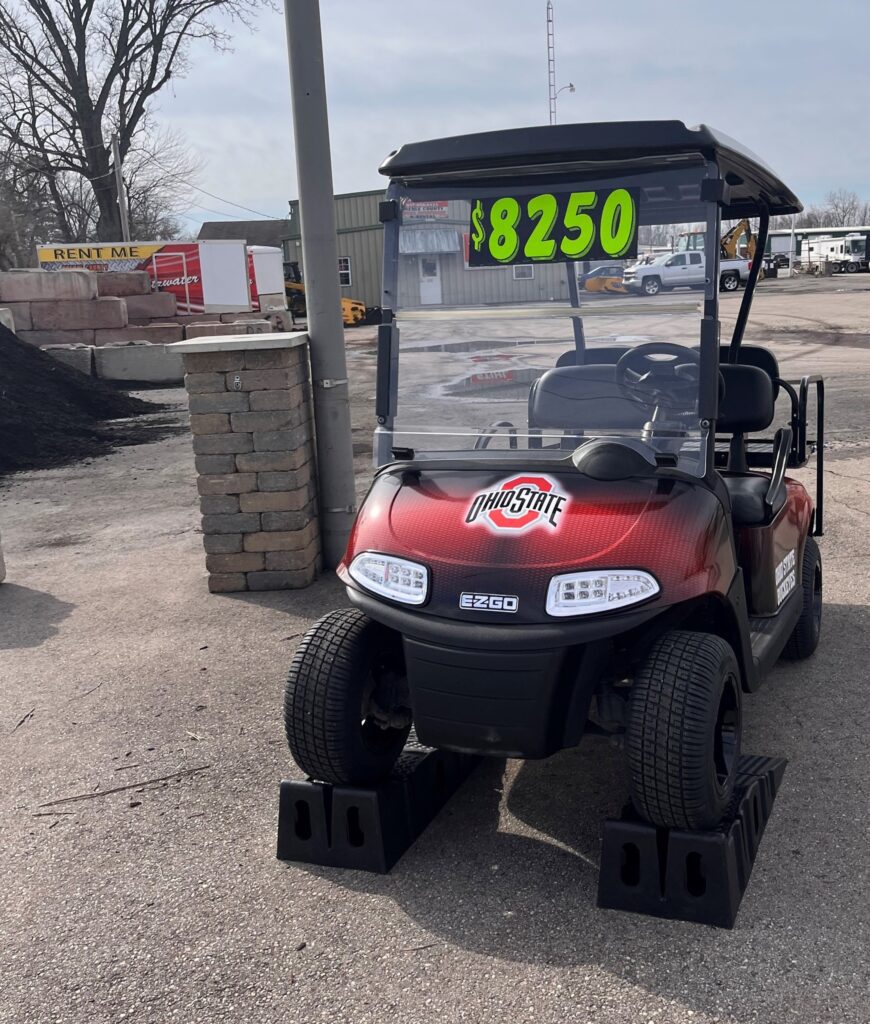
column 520, row 503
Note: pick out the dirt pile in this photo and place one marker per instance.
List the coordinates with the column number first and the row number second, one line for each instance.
column 51, row 414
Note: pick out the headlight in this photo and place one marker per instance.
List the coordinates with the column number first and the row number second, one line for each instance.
column 583, row 593
column 392, row 577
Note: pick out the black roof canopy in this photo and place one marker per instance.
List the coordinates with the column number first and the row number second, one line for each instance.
column 598, row 147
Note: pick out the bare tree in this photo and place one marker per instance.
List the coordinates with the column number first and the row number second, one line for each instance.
column 842, row 206
column 155, row 175
column 656, row 236
column 75, row 72
column 812, row 217
column 26, row 213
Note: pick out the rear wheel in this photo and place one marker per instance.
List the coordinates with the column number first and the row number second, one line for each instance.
column 684, row 728
column 346, row 710
column 652, row 285
column 730, row 282
column 805, row 636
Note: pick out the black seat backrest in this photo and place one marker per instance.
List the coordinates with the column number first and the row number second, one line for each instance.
column 748, row 402
column 754, row 355
column 584, row 397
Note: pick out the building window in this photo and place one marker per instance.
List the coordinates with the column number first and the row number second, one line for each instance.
column 344, row 274
column 524, row 272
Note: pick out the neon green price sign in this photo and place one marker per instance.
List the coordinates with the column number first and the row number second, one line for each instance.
column 553, row 227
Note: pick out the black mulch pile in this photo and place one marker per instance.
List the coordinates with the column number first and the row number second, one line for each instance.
column 51, row 414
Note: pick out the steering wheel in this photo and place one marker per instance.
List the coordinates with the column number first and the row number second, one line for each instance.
column 660, row 377
column 488, row 433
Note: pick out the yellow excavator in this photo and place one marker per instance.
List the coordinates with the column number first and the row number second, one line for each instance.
column 352, row 310
column 729, row 243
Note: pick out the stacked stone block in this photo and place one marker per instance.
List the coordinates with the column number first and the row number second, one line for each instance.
column 250, row 415
column 75, row 307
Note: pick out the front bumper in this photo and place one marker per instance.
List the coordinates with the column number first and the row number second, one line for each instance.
column 512, row 690
column 482, row 635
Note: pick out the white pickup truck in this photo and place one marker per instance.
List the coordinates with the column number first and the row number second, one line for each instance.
column 682, row 270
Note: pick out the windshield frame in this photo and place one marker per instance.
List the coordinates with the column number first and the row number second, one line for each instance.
column 417, row 191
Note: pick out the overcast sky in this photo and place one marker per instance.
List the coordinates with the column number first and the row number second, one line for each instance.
column 789, row 79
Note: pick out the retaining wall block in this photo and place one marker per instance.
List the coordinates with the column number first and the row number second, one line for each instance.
column 78, row 314
column 20, row 318
column 79, row 357
column 138, row 361
column 152, row 305
column 38, row 285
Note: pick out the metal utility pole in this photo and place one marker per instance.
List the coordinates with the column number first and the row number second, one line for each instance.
column 791, row 252
column 551, row 60
column 322, row 293
column 122, row 191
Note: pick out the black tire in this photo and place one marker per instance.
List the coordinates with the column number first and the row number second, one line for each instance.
column 805, row 635
column 851, row 268
column 651, row 285
column 729, row 282
column 684, row 727
column 340, row 663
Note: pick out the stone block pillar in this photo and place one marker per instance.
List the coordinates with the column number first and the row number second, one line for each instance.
column 253, row 439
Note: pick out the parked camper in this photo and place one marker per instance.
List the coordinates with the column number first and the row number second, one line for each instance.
column 846, row 254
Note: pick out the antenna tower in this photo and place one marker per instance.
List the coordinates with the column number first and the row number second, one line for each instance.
column 551, row 60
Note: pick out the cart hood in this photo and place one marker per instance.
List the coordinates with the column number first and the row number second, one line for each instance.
column 504, row 532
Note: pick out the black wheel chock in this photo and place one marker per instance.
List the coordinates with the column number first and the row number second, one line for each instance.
column 368, row 828
column 690, row 876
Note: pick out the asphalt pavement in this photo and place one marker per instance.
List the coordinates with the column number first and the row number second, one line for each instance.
column 162, row 900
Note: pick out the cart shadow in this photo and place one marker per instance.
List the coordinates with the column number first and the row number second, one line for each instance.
column 510, row 867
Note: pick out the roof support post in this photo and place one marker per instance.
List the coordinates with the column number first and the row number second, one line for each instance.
column 749, row 292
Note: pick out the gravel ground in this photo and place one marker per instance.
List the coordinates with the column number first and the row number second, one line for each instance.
column 164, row 902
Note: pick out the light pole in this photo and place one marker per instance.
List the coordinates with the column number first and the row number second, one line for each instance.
column 121, row 190
column 570, row 88
column 322, row 292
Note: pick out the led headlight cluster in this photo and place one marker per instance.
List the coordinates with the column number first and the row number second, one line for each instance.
column 392, row 577
column 582, row 593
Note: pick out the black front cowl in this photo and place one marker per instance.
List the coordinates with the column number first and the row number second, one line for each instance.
column 503, row 703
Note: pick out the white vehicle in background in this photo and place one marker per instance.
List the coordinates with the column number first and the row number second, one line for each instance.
column 848, row 254
column 682, row 270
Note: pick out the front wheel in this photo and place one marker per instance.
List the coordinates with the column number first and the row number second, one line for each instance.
column 652, row 285
column 346, row 708
column 684, row 728
column 730, row 282
column 851, row 268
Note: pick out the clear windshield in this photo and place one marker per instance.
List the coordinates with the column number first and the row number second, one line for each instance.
column 540, row 353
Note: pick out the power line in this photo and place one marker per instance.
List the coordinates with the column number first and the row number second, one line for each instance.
column 220, row 213
column 220, row 199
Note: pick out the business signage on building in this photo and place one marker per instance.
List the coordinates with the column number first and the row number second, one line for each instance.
column 435, row 209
